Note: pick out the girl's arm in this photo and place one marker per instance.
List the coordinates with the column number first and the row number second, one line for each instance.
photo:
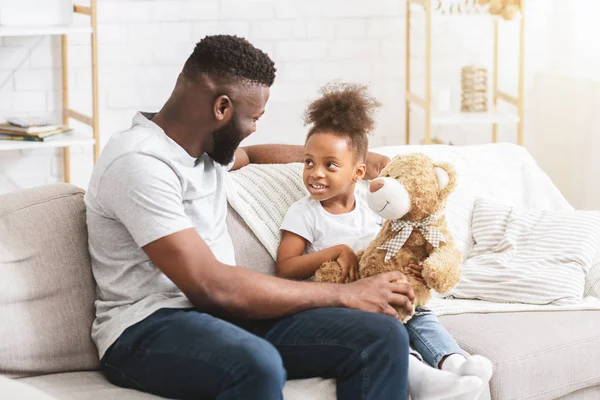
column 292, row 263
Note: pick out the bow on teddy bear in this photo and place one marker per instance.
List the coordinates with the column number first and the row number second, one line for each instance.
column 410, row 194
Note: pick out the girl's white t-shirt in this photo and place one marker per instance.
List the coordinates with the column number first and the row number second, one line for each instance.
column 321, row 229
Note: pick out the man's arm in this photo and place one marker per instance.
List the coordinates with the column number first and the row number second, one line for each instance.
column 268, row 154
column 288, row 153
column 235, row 291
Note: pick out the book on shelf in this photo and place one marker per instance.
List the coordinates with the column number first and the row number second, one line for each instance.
column 33, row 137
column 29, row 122
column 9, row 127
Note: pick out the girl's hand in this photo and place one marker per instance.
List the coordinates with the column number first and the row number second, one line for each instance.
column 416, row 271
column 375, row 163
column 349, row 262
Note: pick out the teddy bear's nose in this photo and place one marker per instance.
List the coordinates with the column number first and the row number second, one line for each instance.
column 375, row 185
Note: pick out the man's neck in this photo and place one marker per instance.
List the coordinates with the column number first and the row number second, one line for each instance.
column 176, row 129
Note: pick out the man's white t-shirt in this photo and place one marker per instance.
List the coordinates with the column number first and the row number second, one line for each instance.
column 145, row 187
column 321, row 229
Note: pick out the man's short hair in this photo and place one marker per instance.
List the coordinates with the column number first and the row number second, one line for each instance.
column 230, row 58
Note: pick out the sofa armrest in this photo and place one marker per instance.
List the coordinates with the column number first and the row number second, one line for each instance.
column 12, row 389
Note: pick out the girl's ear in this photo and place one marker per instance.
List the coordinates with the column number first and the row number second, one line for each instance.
column 359, row 174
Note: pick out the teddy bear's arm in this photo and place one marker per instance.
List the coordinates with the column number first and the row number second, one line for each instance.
column 442, row 269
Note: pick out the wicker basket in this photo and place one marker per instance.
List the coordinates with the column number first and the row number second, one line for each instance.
column 474, row 89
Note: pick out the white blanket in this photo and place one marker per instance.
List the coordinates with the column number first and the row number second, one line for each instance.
column 261, row 195
column 504, row 173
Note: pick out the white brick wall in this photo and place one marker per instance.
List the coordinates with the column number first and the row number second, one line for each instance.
column 144, row 43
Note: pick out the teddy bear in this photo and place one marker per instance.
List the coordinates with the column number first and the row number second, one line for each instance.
column 508, row 9
column 410, row 195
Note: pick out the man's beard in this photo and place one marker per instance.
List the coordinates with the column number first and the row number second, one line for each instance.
column 226, row 140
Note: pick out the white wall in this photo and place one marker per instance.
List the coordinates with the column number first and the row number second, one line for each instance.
column 143, row 44
column 567, row 99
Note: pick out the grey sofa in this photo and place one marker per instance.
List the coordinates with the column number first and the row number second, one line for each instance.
column 47, row 307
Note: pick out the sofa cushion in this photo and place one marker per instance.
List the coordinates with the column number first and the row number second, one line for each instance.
column 536, row 355
column 83, row 385
column 249, row 252
column 93, row 385
column 529, row 256
column 589, row 393
column 12, row 389
column 46, row 287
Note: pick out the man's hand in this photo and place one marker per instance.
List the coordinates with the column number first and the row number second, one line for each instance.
column 349, row 262
column 375, row 163
column 379, row 293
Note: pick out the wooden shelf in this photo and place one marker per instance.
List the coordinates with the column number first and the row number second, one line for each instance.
column 61, row 140
column 468, row 17
column 75, row 139
column 42, row 30
column 433, row 118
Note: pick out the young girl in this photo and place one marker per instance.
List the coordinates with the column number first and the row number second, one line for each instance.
column 331, row 223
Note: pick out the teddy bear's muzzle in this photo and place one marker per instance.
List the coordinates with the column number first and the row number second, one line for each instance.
column 388, row 198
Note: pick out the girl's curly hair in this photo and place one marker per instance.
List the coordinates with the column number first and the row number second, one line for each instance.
column 344, row 109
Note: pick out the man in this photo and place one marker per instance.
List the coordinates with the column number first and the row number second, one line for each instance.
column 174, row 316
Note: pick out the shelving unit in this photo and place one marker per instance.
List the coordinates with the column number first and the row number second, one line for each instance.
column 493, row 117
column 38, row 31
column 66, row 141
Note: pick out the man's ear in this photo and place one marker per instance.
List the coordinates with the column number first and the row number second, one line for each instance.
column 361, row 170
column 223, row 108
column 446, row 178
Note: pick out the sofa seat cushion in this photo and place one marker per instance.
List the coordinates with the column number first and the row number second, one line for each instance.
column 536, row 355
column 12, row 389
column 92, row 385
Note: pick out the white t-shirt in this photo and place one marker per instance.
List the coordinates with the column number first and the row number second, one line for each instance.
column 321, row 229
column 145, row 187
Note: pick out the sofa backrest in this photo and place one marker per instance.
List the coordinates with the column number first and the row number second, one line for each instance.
column 47, row 291
column 249, row 252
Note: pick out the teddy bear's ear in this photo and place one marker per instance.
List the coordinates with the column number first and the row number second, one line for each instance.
column 442, row 177
column 446, row 178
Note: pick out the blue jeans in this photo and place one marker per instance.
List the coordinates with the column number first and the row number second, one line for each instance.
column 187, row 354
column 429, row 338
